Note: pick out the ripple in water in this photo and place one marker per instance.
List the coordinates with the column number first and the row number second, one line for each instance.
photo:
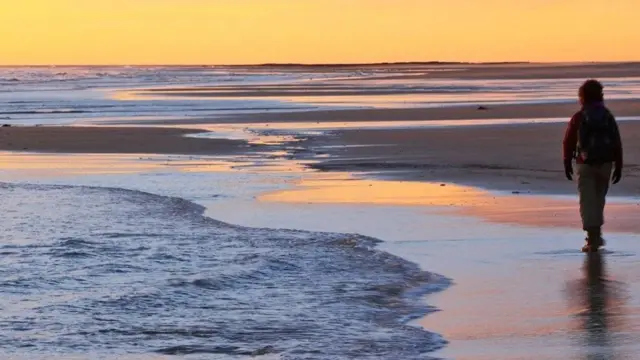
column 112, row 273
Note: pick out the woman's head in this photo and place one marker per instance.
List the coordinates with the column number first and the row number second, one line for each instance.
column 591, row 92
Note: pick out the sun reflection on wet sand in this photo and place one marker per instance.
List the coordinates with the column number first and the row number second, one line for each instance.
column 45, row 165
column 56, row 164
column 17, row 166
column 340, row 188
column 600, row 309
column 519, row 209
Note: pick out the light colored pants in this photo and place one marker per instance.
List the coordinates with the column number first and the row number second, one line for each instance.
column 593, row 185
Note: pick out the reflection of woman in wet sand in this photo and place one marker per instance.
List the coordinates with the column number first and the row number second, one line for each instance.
column 597, row 297
column 596, row 324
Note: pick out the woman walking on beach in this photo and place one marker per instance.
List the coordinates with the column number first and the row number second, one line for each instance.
column 593, row 139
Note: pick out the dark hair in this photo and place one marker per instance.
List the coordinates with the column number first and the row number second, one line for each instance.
column 591, row 92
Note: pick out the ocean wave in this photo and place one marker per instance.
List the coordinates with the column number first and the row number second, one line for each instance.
column 143, row 273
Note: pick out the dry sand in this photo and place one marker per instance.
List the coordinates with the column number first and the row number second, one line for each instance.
column 129, row 140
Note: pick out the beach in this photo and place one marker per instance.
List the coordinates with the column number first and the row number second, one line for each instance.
column 523, row 157
column 479, row 254
column 92, row 140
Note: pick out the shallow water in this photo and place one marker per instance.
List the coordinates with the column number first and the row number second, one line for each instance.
column 516, row 291
column 51, row 95
column 113, row 272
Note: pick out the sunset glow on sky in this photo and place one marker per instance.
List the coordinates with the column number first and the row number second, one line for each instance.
column 315, row 31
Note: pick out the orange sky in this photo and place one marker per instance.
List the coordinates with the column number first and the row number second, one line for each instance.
column 315, row 31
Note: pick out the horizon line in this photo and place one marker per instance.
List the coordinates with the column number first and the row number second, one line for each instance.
column 363, row 64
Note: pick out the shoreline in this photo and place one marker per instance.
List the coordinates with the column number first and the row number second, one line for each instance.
column 621, row 108
column 519, row 158
column 507, row 301
column 435, row 162
column 515, row 159
column 438, row 243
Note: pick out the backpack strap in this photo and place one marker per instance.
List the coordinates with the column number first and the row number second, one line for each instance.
column 584, row 119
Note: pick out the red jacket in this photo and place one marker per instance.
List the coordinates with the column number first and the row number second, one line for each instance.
column 571, row 141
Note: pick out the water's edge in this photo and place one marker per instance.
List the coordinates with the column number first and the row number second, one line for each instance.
column 378, row 287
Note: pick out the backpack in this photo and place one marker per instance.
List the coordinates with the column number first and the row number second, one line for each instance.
column 596, row 136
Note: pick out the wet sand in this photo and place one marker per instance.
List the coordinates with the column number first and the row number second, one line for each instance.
column 517, row 111
column 343, row 87
column 523, row 158
column 475, row 71
column 533, row 71
column 449, row 199
column 129, row 140
column 520, row 111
